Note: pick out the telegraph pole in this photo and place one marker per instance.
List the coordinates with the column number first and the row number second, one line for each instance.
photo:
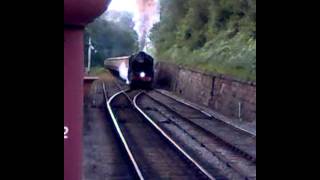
column 89, row 55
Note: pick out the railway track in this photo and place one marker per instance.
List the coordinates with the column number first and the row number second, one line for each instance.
column 103, row 156
column 197, row 125
column 238, row 127
column 152, row 153
column 237, row 138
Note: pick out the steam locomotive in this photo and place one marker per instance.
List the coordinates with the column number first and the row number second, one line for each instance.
column 138, row 69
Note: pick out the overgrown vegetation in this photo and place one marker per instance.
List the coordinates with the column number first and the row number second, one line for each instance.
column 97, row 70
column 211, row 35
column 112, row 35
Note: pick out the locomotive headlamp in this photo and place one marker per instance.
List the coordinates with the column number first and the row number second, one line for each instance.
column 142, row 74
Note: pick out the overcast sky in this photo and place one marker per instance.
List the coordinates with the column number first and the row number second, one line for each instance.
column 124, row 5
column 130, row 6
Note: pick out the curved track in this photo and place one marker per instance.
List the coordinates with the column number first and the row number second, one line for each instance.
column 238, row 139
column 185, row 118
column 153, row 154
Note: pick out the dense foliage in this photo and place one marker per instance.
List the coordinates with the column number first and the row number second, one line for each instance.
column 112, row 35
column 212, row 35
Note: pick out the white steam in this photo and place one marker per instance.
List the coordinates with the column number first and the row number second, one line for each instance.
column 123, row 72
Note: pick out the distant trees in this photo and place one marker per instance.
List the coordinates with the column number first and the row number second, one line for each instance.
column 213, row 35
column 112, row 35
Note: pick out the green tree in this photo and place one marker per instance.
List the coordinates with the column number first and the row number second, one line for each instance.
column 112, row 35
column 212, row 35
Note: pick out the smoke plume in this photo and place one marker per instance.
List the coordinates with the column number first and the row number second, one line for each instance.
column 148, row 15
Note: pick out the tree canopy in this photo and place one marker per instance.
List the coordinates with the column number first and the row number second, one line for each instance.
column 212, row 35
column 112, row 35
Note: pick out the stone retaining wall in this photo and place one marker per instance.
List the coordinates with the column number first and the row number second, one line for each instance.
column 229, row 96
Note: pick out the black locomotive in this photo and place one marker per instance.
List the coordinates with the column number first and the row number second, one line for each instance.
column 141, row 70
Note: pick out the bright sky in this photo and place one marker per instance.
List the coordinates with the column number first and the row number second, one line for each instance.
column 127, row 5
column 124, row 5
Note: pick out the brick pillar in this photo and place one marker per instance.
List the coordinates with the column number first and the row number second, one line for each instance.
column 77, row 14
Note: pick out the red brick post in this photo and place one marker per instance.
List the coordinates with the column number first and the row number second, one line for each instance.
column 77, row 14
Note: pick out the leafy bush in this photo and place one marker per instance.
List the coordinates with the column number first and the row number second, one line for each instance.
column 211, row 35
column 112, row 35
